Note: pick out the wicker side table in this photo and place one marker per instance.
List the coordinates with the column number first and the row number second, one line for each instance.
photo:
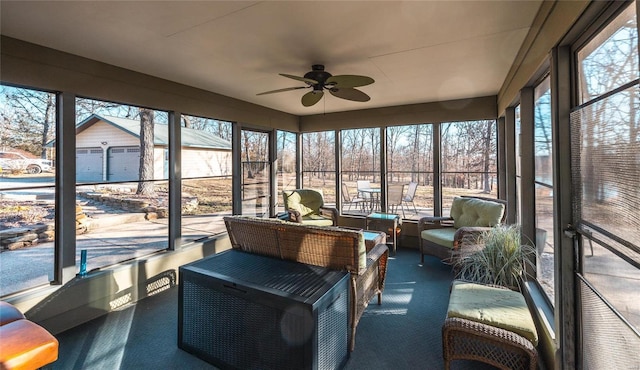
column 388, row 223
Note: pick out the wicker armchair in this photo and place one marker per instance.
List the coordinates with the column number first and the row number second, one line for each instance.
column 331, row 247
column 442, row 237
column 306, row 206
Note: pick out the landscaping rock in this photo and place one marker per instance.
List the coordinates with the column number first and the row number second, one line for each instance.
column 162, row 212
column 13, row 232
column 28, row 238
column 46, row 236
column 42, row 228
column 14, row 246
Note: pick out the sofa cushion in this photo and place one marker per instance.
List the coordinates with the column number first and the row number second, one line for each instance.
column 475, row 212
column 501, row 308
column 442, row 236
column 305, row 201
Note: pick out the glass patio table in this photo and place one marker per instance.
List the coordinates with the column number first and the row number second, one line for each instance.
column 373, row 197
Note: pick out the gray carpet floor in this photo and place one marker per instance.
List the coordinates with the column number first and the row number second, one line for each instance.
column 402, row 333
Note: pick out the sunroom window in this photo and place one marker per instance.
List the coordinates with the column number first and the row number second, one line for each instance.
column 27, row 188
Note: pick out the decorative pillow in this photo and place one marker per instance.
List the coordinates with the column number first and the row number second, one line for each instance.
column 456, row 207
column 476, row 212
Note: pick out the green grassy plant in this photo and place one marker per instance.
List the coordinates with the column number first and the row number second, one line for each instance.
column 503, row 260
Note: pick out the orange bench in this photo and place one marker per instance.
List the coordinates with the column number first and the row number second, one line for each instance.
column 24, row 344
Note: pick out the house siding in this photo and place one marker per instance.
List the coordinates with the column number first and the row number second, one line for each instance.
column 104, row 132
column 202, row 162
column 196, row 162
column 160, row 169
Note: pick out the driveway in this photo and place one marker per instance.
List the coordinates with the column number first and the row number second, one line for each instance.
column 117, row 237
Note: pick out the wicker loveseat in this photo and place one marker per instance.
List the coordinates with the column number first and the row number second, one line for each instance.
column 331, row 247
column 442, row 236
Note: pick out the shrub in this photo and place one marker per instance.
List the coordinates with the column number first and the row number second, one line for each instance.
column 502, row 261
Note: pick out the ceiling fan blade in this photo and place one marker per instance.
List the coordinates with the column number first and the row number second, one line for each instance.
column 282, row 90
column 306, row 80
column 311, row 98
column 349, row 94
column 346, row 81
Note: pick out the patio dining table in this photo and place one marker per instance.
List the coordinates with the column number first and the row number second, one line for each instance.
column 373, row 197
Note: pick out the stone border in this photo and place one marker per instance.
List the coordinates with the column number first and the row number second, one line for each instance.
column 26, row 236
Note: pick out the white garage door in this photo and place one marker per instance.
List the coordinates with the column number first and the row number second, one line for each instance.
column 124, row 163
column 89, row 164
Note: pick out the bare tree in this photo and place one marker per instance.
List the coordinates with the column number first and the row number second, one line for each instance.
column 488, row 150
column 87, row 107
column 145, row 184
column 610, row 125
column 286, row 151
column 394, row 137
column 28, row 119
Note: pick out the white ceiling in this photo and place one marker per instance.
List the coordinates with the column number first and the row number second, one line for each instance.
column 417, row 51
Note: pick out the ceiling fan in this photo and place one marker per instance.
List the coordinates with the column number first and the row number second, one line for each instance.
column 341, row 86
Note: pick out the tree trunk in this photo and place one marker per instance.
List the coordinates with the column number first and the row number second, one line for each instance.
column 487, row 157
column 145, row 185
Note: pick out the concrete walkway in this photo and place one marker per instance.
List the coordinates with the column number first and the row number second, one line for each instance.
column 115, row 236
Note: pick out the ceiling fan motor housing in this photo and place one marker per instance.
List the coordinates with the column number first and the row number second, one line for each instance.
column 318, row 73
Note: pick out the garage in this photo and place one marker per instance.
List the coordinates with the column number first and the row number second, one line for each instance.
column 203, row 154
column 89, row 164
column 124, row 163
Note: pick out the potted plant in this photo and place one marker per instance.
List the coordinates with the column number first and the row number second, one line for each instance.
column 501, row 258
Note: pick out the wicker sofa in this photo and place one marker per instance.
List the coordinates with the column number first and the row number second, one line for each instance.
column 331, row 247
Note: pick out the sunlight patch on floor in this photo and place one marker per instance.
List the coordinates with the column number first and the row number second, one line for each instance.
column 107, row 344
column 395, row 301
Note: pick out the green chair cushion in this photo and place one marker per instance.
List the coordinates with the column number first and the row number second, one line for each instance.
column 305, row 201
column 442, row 236
column 501, row 308
column 316, row 220
column 475, row 212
